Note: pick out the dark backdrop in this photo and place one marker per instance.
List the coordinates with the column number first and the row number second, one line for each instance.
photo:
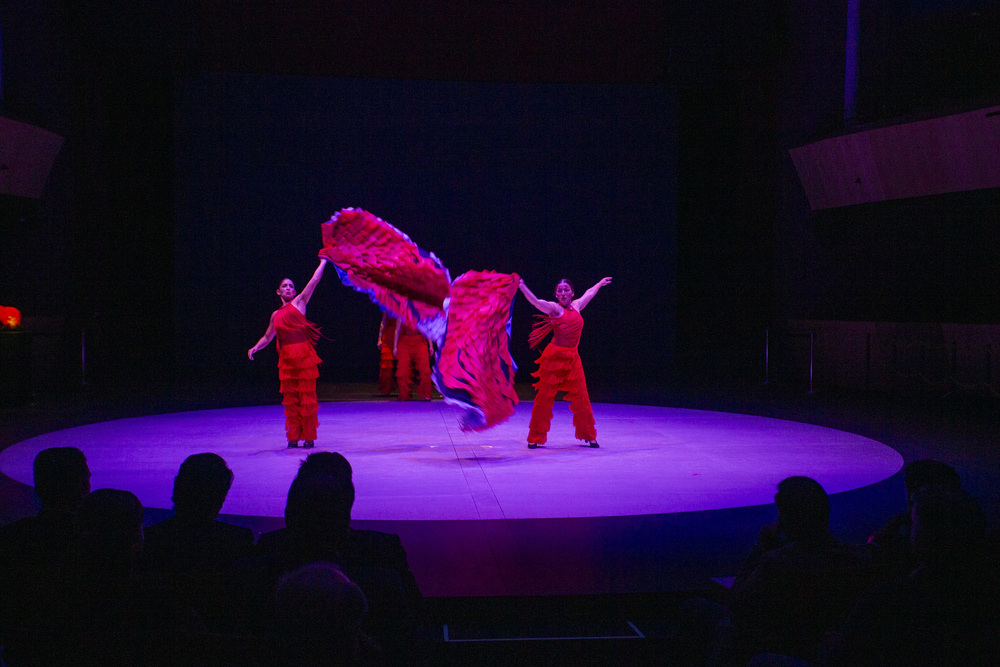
column 546, row 180
column 750, row 80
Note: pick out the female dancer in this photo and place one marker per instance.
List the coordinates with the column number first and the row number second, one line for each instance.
column 559, row 367
column 297, row 358
column 387, row 354
column 412, row 353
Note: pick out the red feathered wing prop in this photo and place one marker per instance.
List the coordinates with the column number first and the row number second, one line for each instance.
column 474, row 369
column 374, row 257
column 468, row 321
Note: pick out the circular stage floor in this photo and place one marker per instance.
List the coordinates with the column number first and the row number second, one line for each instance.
column 412, row 463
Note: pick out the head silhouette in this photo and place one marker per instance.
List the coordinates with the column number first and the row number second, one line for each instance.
column 62, row 477
column 949, row 527
column 319, row 615
column 330, row 463
column 803, row 508
column 111, row 526
column 928, row 472
column 201, row 486
column 318, row 510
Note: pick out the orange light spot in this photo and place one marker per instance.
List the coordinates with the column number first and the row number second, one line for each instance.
column 10, row 317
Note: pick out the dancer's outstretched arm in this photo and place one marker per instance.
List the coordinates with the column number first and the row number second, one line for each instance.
column 381, row 331
column 302, row 300
column 582, row 302
column 547, row 307
column 264, row 340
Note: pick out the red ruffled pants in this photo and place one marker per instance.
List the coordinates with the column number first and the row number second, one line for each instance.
column 386, row 371
column 411, row 351
column 560, row 369
column 298, row 368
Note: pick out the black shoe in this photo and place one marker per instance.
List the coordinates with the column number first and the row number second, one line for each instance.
column 590, row 443
column 292, row 444
column 308, row 444
column 532, row 445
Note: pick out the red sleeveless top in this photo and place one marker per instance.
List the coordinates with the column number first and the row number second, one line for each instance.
column 566, row 329
column 291, row 326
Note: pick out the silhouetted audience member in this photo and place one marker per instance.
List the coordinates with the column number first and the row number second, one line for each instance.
column 319, row 612
column 317, row 529
column 34, row 550
column 191, row 550
column 102, row 614
column 330, row 463
column 311, row 533
column 799, row 582
column 890, row 544
column 193, row 540
column 944, row 611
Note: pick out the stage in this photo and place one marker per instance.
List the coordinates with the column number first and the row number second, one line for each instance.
column 482, row 515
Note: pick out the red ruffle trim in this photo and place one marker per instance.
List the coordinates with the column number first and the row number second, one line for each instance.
column 298, row 367
column 386, row 360
column 298, row 355
column 559, row 367
column 543, row 326
column 305, row 402
column 292, row 327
